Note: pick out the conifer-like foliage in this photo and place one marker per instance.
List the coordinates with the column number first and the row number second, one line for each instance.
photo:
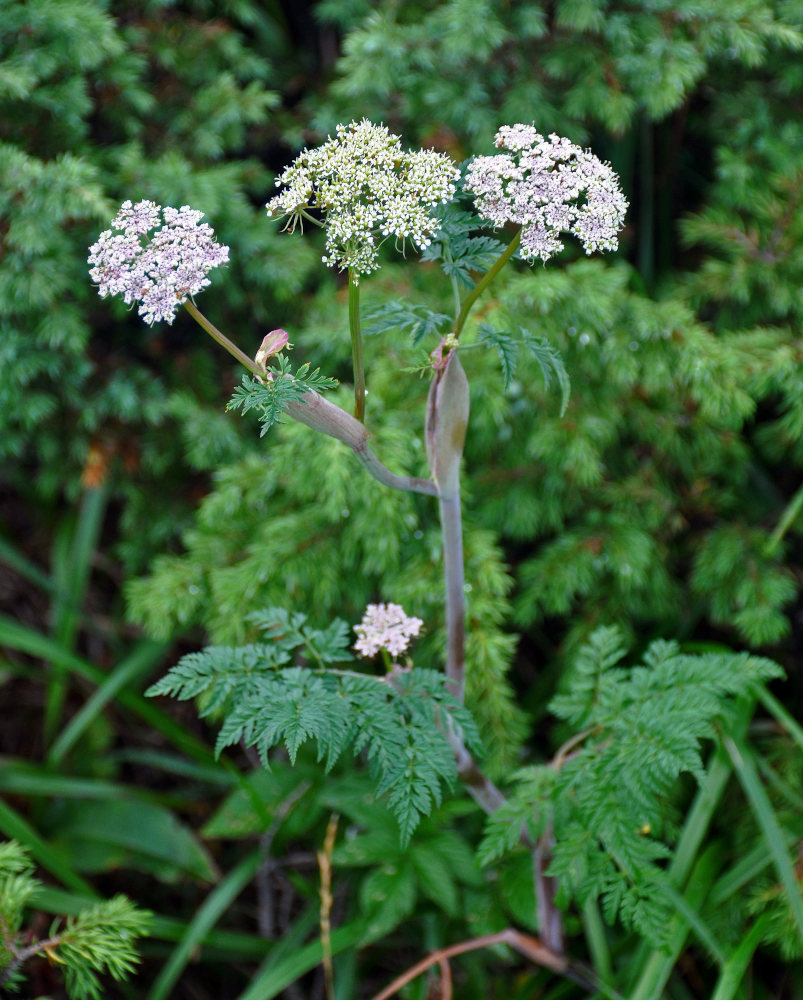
column 400, row 721
column 100, row 940
column 604, row 797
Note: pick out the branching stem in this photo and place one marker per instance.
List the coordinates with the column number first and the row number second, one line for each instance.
column 318, row 413
column 531, row 948
column 22, row 955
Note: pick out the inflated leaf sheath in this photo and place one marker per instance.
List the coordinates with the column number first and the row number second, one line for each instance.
column 447, row 419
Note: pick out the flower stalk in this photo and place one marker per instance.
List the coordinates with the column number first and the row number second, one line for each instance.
column 223, row 340
column 484, row 281
column 356, row 346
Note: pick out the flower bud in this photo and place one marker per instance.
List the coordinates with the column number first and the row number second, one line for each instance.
column 272, row 343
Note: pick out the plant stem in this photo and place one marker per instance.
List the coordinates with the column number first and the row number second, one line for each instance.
column 484, row 281
column 734, row 970
column 222, row 339
column 325, row 866
column 597, row 941
column 530, row 947
column 356, row 347
column 452, row 532
column 550, row 919
column 318, row 413
column 22, row 956
column 479, row 786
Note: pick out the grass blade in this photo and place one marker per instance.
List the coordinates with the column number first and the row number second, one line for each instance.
column 747, row 773
column 779, row 713
column 71, row 571
column 746, row 869
column 21, row 778
column 21, row 564
column 693, row 919
column 276, row 976
column 28, row 641
column 216, row 903
column 17, row 828
column 138, row 663
column 734, row 970
column 597, row 942
column 658, row 967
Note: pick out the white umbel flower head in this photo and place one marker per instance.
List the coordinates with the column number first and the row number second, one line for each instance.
column 160, row 271
column 548, row 186
column 385, row 626
column 368, row 188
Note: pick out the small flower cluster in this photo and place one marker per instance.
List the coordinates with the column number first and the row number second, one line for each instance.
column 159, row 271
column 539, row 186
column 385, row 626
column 368, row 188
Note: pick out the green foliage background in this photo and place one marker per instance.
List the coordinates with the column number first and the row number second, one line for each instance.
column 664, row 501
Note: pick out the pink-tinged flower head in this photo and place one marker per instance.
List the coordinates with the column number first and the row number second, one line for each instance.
column 160, row 269
column 385, row 626
column 548, row 186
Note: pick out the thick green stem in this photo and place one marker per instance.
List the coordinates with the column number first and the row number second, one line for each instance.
column 222, row 339
column 484, row 281
column 356, row 348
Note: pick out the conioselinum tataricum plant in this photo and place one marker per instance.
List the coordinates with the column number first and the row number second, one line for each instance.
column 593, row 819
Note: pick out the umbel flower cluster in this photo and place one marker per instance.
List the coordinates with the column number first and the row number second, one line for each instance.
column 385, row 626
column 369, row 188
column 159, row 271
column 548, row 186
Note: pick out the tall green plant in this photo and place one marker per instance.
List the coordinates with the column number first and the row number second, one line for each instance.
column 594, row 822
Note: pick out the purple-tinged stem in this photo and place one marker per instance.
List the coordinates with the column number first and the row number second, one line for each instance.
column 318, row 413
column 452, row 534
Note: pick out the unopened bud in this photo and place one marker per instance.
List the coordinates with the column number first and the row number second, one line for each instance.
column 271, row 344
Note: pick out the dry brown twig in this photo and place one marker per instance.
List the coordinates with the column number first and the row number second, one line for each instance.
column 325, row 865
column 526, row 945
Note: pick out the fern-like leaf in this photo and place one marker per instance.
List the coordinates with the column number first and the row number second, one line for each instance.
column 399, row 722
column 271, row 396
column 415, row 320
column 604, row 796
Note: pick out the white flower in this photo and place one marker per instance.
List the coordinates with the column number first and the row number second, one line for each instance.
column 548, row 187
column 368, row 189
column 385, row 626
column 159, row 271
